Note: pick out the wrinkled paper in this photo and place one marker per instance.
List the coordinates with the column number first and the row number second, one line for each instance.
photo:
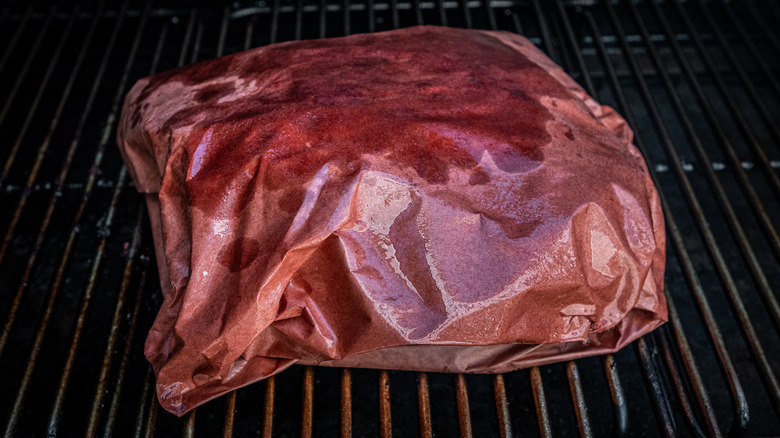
column 423, row 199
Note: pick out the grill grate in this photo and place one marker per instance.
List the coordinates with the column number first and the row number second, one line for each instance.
column 697, row 80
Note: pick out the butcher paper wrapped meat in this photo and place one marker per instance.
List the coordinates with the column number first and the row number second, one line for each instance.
column 425, row 199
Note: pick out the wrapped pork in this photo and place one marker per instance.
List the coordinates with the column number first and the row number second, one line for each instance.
column 425, row 199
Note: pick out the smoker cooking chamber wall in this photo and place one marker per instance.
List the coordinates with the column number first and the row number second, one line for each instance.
column 78, row 277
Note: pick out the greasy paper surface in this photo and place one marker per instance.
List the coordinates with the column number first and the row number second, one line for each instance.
column 425, row 199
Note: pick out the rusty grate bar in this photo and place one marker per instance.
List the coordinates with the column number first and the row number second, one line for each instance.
column 307, row 414
column 502, row 407
column 424, row 402
column 577, row 395
column 618, row 396
column 123, row 363
column 268, row 416
column 385, row 419
column 47, row 141
column 346, row 403
column 37, row 99
column 11, row 316
column 464, row 412
column 55, row 288
column 107, row 363
column 542, row 413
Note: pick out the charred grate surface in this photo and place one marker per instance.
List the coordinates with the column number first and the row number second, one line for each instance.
column 697, row 80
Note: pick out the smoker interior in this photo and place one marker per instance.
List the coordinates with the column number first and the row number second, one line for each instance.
column 697, row 80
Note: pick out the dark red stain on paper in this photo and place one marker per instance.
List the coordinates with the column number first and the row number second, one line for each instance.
column 239, row 254
column 350, row 104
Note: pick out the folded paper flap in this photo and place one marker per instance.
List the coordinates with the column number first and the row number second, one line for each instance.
column 333, row 199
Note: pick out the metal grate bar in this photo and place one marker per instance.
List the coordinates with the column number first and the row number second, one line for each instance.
column 56, row 411
column 724, row 358
column 275, row 22
column 9, row 48
column 563, row 57
column 746, row 325
column 268, row 415
column 578, row 397
column 371, row 16
column 464, row 413
column 125, row 359
column 250, row 29
column 154, row 406
column 230, row 412
column 27, row 63
column 121, row 301
column 502, row 407
column 727, row 96
column 762, row 24
column 196, row 48
column 546, row 40
column 394, row 11
column 324, row 16
column 346, row 403
column 385, row 420
column 148, row 398
column 540, row 401
column 467, row 15
column 442, row 13
column 491, row 15
column 187, row 35
column 37, row 99
column 764, row 288
column 619, row 408
column 680, row 388
column 47, row 141
column 424, row 402
column 588, row 83
column 298, row 19
column 729, row 50
column 751, row 47
column 55, row 288
column 307, row 411
column 651, row 374
column 113, row 336
column 11, row 316
column 188, row 430
column 223, row 32
column 702, row 396
column 347, row 17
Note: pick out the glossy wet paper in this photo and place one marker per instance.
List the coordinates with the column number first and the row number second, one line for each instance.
column 425, row 199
